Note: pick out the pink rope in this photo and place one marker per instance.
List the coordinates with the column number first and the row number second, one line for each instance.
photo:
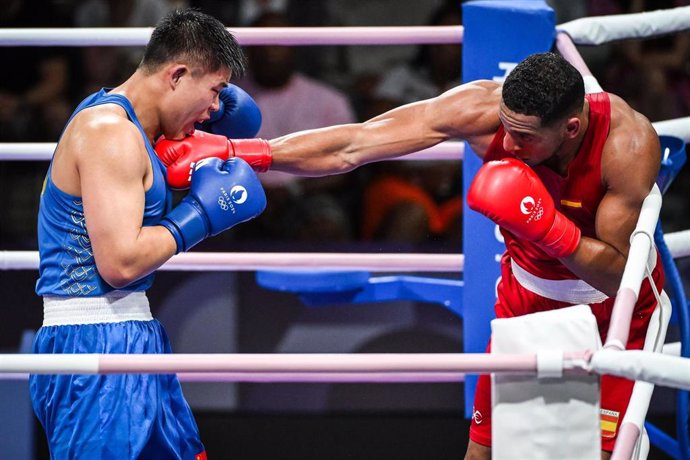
column 308, row 363
column 305, row 377
column 250, row 261
column 139, row 36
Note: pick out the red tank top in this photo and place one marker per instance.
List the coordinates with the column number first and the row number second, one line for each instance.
column 577, row 195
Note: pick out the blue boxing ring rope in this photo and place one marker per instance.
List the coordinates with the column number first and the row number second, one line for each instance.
column 680, row 447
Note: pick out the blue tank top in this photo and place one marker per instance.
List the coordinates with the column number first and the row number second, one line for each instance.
column 67, row 265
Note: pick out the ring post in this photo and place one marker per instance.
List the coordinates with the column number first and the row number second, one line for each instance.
column 498, row 35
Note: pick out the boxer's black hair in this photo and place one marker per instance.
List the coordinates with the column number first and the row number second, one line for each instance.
column 195, row 38
column 545, row 85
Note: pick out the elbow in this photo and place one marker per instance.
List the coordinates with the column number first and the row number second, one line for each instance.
column 118, row 282
column 348, row 161
column 614, row 286
column 118, row 275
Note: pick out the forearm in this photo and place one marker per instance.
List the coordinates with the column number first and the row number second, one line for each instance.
column 597, row 263
column 122, row 264
column 316, row 152
column 342, row 148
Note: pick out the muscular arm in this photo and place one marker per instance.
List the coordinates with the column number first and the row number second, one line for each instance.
column 630, row 166
column 112, row 164
column 469, row 112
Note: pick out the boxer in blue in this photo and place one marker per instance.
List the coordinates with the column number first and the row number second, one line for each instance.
column 105, row 224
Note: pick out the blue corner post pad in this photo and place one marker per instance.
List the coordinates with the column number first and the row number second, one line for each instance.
column 312, row 281
column 673, row 157
column 316, row 288
column 498, row 35
column 319, row 288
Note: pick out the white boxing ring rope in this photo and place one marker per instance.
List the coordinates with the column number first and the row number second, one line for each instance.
column 43, row 151
column 667, row 370
column 597, row 30
column 656, row 368
column 679, row 245
column 246, row 36
column 266, row 363
column 251, row 261
column 303, row 377
column 584, row 31
column 641, row 246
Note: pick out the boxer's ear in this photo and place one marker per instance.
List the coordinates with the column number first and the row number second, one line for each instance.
column 175, row 74
column 572, row 127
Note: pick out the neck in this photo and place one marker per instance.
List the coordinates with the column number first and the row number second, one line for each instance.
column 143, row 94
column 568, row 150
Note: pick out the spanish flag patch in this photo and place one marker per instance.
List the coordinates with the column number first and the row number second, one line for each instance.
column 609, row 423
column 571, row 203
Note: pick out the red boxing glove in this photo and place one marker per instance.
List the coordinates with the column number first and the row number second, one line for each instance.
column 511, row 194
column 179, row 157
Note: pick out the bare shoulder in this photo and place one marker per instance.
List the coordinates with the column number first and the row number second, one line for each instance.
column 470, row 99
column 632, row 145
column 471, row 108
column 99, row 141
column 478, row 90
column 103, row 131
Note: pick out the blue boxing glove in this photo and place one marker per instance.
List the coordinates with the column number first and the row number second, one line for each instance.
column 222, row 194
column 237, row 118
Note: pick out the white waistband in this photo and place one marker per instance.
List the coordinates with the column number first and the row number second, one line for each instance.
column 571, row 291
column 114, row 307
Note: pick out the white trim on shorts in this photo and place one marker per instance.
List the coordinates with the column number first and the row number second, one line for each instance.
column 571, row 291
column 114, row 307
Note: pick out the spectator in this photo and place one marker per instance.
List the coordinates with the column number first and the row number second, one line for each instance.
column 291, row 101
column 35, row 93
column 376, row 59
column 652, row 74
column 436, row 68
column 108, row 66
column 421, row 202
column 413, row 203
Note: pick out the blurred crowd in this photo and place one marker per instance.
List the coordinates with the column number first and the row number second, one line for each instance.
column 400, row 205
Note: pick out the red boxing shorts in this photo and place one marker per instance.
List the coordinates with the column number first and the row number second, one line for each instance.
column 515, row 300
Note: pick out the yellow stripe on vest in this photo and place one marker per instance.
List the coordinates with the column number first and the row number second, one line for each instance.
column 571, row 204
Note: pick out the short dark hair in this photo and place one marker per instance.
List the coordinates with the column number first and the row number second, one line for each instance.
column 196, row 39
column 545, row 85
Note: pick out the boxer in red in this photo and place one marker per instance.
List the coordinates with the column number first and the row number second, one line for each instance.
column 581, row 166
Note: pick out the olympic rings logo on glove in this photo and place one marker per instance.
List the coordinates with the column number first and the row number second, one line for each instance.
column 223, row 204
column 532, row 208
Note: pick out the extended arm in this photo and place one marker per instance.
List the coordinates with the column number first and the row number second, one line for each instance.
column 468, row 112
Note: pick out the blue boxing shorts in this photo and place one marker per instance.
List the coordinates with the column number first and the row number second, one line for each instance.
column 124, row 416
